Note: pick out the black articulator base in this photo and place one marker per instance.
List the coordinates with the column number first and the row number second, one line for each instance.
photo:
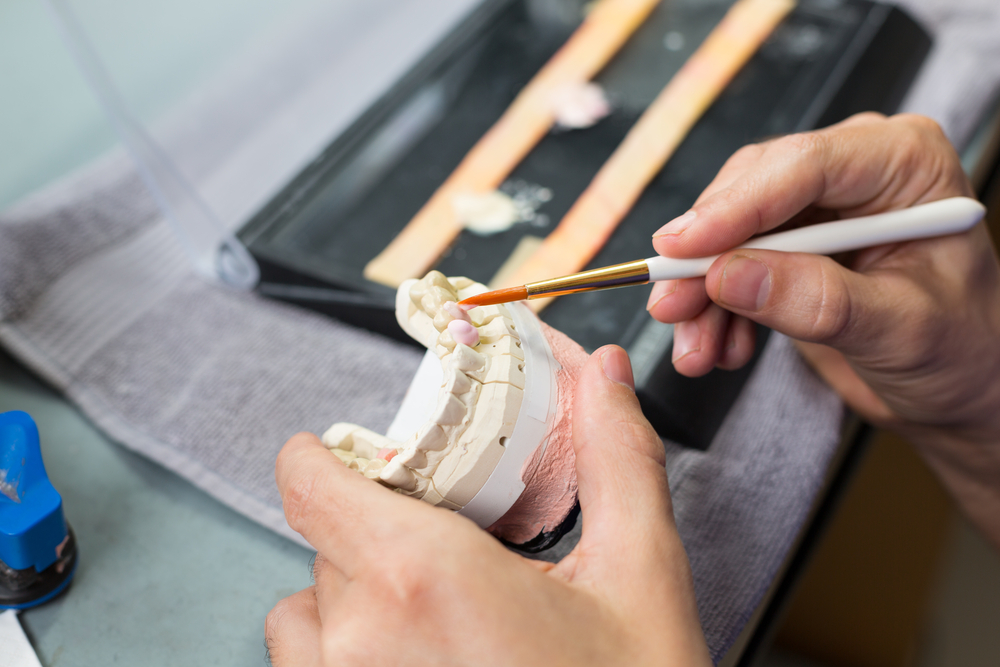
column 547, row 539
column 23, row 588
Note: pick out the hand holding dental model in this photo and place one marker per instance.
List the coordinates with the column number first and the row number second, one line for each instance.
column 400, row 582
column 497, row 444
column 906, row 333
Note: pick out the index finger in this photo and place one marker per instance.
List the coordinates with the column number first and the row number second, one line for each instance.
column 339, row 512
column 855, row 168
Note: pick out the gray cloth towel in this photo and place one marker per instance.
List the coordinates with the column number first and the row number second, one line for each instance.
column 97, row 297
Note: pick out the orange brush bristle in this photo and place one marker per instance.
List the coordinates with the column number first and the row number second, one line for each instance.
column 505, row 295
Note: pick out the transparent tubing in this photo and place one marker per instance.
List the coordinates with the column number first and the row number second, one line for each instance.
column 212, row 249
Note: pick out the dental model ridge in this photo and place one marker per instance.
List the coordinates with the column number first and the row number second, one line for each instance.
column 502, row 398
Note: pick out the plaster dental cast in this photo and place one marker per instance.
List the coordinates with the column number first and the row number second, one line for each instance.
column 906, row 333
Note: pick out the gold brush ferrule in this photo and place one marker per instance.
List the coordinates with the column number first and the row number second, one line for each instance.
column 608, row 277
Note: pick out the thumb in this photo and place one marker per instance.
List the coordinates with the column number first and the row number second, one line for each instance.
column 629, row 551
column 622, row 483
column 806, row 297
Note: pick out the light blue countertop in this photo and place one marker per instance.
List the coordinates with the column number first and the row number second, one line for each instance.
column 167, row 575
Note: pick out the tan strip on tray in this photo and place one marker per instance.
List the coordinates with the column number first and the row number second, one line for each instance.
column 586, row 227
column 417, row 248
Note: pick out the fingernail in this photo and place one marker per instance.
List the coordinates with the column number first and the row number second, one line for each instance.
column 660, row 292
column 617, row 367
column 687, row 339
column 746, row 282
column 677, row 225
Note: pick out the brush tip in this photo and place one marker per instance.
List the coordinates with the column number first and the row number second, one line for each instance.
column 505, row 295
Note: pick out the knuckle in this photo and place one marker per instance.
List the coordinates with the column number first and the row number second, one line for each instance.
column 804, row 143
column 406, row 586
column 866, row 116
column 922, row 123
column 746, row 155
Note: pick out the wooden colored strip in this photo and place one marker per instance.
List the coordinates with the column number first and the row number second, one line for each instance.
column 418, row 247
column 587, row 226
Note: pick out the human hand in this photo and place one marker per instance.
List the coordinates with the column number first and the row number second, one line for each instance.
column 907, row 333
column 399, row 582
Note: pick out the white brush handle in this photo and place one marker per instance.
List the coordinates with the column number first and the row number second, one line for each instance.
column 948, row 216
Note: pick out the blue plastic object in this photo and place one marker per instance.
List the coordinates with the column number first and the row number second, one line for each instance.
column 37, row 550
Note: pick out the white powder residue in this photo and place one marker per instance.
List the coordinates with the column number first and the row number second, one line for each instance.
column 496, row 211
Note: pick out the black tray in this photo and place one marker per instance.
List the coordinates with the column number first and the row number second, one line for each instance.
column 827, row 60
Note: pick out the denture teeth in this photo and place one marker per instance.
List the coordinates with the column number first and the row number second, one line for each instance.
column 431, row 438
column 357, row 464
column 460, row 282
column 417, row 292
column 434, row 299
column 466, row 359
column 412, row 458
column 456, row 382
column 374, row 468
column 339, row 435
column 438, row 279
column 496, row 329
column 446, row 341
column 344, row 455
column 450, row 411
column 456, row 313
column 442, row 320
column 398, row 475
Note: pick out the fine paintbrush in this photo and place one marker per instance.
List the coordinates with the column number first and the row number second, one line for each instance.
column 947, row 216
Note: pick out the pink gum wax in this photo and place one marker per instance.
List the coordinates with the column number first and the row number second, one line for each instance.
column 549, row 477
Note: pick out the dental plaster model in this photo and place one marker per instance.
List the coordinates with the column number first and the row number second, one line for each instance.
column 497, row 444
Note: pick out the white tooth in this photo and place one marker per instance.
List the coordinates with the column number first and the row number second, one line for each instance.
column 460, row 282
column 357, row 464
column 434, row 299
column 481, row 315
column 374, row 467
column 412, row 458
column 445, row 341
column 398, row 475
column 442, row 319
column 417, row 291
column 456, row 382
column 431, row 438
column 450, row 411
column 343, row 455
column 438, row 279
column 340, row 436
column 466, row 359
column 455, row 311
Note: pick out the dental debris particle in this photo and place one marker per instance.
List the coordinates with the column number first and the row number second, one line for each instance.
column 579, row 106
column 463, row 332
column 486, row 213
